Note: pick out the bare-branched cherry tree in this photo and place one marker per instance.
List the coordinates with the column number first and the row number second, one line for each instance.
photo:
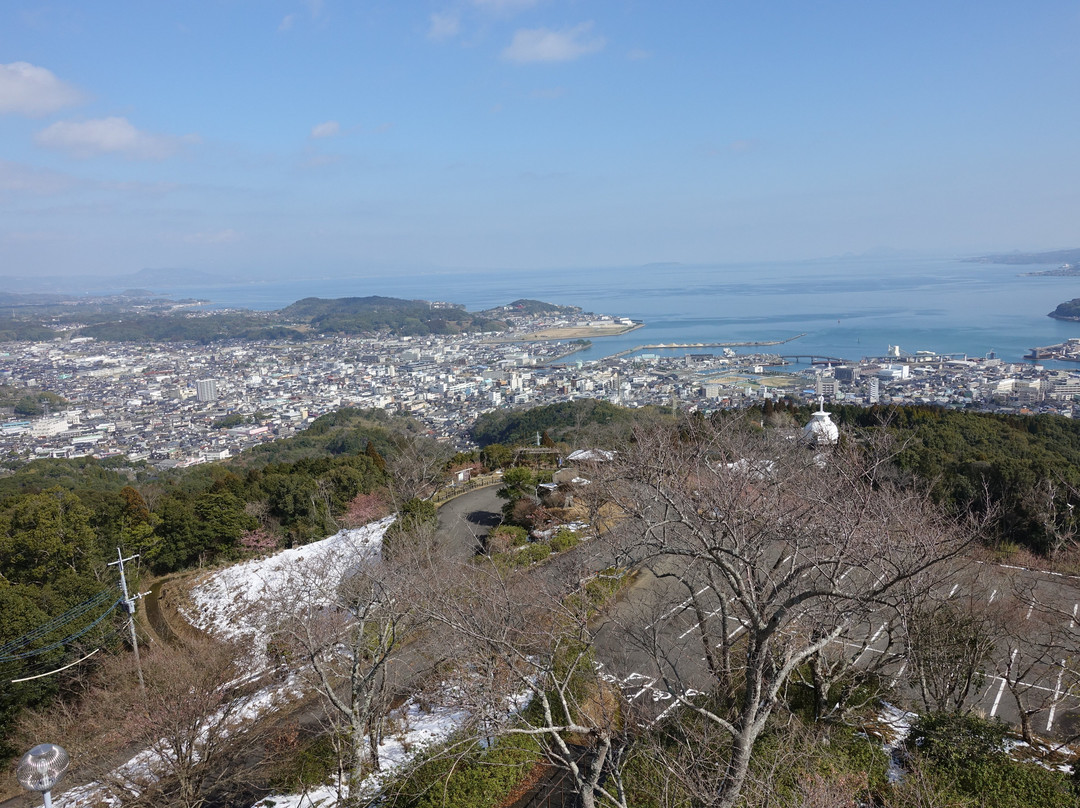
column 782, row 553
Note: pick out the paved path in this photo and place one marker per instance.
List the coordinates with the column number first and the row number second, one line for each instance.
column 465, row 520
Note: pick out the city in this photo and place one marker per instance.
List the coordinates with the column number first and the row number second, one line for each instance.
column 175, row 404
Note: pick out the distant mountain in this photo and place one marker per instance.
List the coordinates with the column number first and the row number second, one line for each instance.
column 1053, row 257
column 156, row 279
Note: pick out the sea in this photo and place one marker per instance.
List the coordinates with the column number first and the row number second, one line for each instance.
column 846, row 308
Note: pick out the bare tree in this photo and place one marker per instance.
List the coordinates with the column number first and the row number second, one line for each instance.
column 949, row 645
column 415, row 467
column 839, row 671
column 194, row 726
column 349, row 622
column 1036, row 647
column 526, row 638
column 789, row 551
column 1052, row 502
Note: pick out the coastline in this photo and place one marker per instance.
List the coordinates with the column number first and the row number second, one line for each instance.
column 567, row 332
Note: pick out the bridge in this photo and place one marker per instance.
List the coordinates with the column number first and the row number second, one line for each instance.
column 813, row 359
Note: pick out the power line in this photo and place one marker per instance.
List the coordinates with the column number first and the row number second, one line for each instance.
column 67, row 617
column 50, row 673
column 59, row 643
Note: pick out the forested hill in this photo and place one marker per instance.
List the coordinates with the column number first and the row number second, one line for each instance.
column 354, row 315
column 61, row 522
column 527, row 306
column 1069, row 310
column 138, row 321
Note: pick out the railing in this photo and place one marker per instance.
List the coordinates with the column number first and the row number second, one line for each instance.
column 451, row 491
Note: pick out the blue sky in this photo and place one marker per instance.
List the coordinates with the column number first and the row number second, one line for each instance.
column 326, row 136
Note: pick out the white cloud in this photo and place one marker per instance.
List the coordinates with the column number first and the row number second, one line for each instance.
column 637, row 54
column 30, row 90
column 109, row 136
column 444, row 26
column 287, row 22
column 546, row 45
column 326, row 129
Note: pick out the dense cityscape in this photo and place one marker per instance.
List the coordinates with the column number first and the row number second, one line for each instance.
column 176, row 404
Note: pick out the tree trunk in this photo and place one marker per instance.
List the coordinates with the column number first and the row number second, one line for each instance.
column 727, row 796
column 822, row 685
column 374, row 734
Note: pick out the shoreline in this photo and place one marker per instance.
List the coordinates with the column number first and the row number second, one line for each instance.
column 567, row 332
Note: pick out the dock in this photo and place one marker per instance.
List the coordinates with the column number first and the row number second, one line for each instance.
column 687, row 345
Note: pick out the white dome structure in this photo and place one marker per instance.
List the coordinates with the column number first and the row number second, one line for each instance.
column 821, row 431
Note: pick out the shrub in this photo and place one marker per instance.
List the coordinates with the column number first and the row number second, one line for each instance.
column 965, row 755
column 502, row 538
column 476, row 779
column 564, row 540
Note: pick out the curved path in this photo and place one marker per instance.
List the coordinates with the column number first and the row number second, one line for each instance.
column 465, row 520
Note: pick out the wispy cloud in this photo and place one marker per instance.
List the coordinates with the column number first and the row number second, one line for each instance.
column 23, row 179
column 27, row 89
column 109, row 136
column 636, row 54
column 444, row 26
column 549, row 93
column 225, row 236
column 287, row 22
column 326, row 129
column 505, row 6
column 547, row 45
column 744, row 145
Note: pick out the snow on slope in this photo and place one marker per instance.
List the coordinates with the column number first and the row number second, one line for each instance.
column 230, row 603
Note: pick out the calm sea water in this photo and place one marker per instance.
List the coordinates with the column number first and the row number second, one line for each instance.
column 847, row 308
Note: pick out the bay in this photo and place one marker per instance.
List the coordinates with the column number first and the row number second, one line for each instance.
column 849, row 308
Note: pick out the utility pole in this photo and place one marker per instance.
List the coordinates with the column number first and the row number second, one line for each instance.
column 129, row 607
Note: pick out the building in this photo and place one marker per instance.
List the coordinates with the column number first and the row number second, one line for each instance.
column 821, row 430
column 206, row 389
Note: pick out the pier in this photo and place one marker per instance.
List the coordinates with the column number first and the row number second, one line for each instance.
column 686, row 345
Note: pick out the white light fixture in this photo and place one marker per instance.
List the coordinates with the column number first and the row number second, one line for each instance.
column 42, row 768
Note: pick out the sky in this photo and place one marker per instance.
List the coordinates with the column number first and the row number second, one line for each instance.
column 322, row 137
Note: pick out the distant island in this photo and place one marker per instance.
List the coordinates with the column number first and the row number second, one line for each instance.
column 1063, row 271
column 1071, row 257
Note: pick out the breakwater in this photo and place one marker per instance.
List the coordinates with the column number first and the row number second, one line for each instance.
column 687, row 345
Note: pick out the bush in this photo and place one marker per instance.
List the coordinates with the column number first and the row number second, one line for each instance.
column 312, row 765
column 478, row 779
column 502, row 538
column 965, row 755
column 952, row 740
column 537, row 551
column 564, row 540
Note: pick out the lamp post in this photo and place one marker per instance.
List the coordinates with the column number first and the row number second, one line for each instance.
column 42, row 768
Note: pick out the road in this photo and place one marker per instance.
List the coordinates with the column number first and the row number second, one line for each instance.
column 465, row 520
